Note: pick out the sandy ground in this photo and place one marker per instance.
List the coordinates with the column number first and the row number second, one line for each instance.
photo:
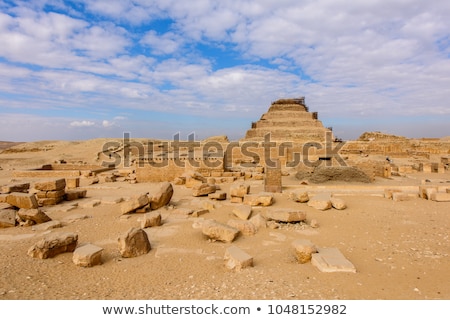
column 401, row 250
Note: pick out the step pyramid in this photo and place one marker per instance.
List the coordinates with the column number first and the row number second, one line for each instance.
column 288, row 120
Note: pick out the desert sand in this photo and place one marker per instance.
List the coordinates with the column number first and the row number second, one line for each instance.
column 401, row 250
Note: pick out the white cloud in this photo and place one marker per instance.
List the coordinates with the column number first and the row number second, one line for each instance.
column 83, row 123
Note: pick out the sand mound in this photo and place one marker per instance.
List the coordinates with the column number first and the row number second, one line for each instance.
column 325, row 174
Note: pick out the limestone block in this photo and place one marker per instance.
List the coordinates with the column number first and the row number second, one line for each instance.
column 7, row 218
column 236, row 259
column 236, row 199
column 243, row 211
column 74, row 194
column 200, row 212
column 49, row 201
column 218, row 196
column 53, row 224
column 162, row 197
column 321, row 201
column 239, row 190
column 389, row 192
column 183, row 211
column 218, row 231
column 179, row 181
column 331, row 260
column 425, row 192
column 203, row 189
column 261, row 199
column 440, row 197
column 285, row 215
column 35, row 215
column 151, row 219
column 88, row 255
column 3, row 198
column 16, row 187
column 51, row 185
column 244, row 226
column 22, row 200
column 72, row 183
column 304, row 250
column 134, row 203
column 134, row 243
column 299, row 196
column 402, row 196
column 338, row 203
column 53, row 245
column 258, row 221
column 55, row 194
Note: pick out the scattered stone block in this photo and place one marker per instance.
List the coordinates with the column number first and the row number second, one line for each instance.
column 198, row 213
column 88, row 255
column 402, row 196
column 244, row 226
column 218, row 196
column 258, row 221
column 425, row 192
column 321, row 201
column 183, row 211
column 338, row 203
column 53, row 245
column 51, row 185
column 35, row 215
column 236, row 199
column 217, row 231
column 203, row 189
column 179, row 181
column 286, row 215
column 261, row 199
column 53, row 224
column 239, row 190
column 3, row 198
column 389, row 192
column 22, row 200
column 16, row 187
column 151, row 219
column 303, row 250
column 236, row 259
column 134, row 203
column 74, row 194
column 243, row 211
column 134, row 243
column 299, row 196
column 440, row 197
column 162, row 197
column 331, row 260
column 72, row 183
column 7, row 218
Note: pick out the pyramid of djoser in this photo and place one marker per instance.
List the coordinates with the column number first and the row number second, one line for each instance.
column 288, row 120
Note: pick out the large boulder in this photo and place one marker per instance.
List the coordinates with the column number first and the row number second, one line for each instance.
column 53, row 245
column 22, row 200
column 217, row 231
column 203, row 189
column 134, row 243
column 35, row 215
column 286, row 215
column 7, row 218
column 134, row 203
column 321, row 201
column 162, row 197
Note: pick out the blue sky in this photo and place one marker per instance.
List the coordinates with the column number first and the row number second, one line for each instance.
column 85, row 69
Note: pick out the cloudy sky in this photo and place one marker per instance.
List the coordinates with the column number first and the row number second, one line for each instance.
column 98, row 68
